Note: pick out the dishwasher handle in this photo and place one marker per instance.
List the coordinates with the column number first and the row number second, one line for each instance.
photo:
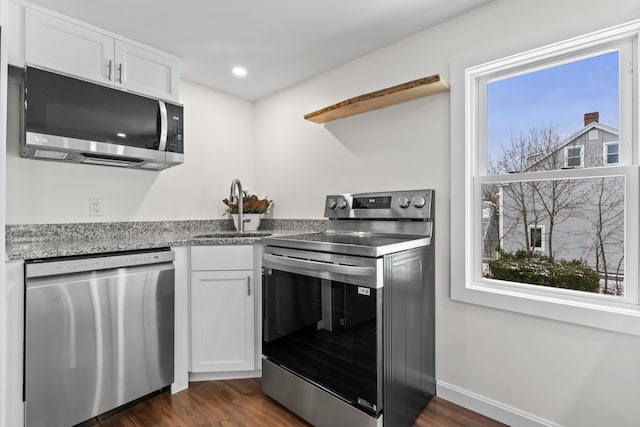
column 83, row 263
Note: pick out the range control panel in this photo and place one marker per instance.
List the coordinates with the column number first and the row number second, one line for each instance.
column 413, row 204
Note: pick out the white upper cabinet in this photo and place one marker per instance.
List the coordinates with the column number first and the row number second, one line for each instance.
column 79, row 50
column 143, row 71
column 64, row 46
column 15, row 29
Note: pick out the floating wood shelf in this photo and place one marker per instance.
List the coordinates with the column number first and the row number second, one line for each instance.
column 380, row 99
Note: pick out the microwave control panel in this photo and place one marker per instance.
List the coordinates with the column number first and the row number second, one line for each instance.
column 175, row 140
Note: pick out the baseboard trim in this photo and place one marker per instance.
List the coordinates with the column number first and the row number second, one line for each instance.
column 179, row 386
column 215, row 376
column 489, row 407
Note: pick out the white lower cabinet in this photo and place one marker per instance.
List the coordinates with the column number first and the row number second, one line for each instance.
column 222, row 309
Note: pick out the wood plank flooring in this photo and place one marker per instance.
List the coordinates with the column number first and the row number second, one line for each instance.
column 240, row 403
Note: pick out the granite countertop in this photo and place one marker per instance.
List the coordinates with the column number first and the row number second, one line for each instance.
column 68, row 247
column 42, row 242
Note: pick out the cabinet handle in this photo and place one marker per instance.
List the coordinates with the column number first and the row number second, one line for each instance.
column 120, row 73
column 110, row 68
column 248, row 286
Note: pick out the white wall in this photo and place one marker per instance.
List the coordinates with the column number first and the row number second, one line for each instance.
column 218, row 146
column 544, row 371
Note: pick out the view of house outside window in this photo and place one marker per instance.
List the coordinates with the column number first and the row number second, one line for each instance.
column 555, row 230
column 535, row 237
column 612, row 153
column 573, row 157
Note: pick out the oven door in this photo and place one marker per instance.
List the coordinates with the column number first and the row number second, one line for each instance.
column 322, row 320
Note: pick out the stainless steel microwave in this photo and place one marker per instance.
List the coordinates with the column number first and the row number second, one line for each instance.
column 72, row 120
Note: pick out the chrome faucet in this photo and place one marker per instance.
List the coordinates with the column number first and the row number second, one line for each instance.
column 237, row 186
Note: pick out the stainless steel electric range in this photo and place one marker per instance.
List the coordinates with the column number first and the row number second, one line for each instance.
column 348, row 314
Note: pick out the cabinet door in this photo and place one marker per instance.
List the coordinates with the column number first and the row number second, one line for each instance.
column 222, row 321
column 15, row 31
column 145, row 71
column 64, row 46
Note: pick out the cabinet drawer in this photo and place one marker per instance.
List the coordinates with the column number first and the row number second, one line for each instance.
column 238, row 257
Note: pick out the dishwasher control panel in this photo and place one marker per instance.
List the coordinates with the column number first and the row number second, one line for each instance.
column 83, row 263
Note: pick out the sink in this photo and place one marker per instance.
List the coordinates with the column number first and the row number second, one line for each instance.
column 232, row 234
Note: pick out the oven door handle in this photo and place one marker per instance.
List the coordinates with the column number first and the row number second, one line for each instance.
column 322, row 266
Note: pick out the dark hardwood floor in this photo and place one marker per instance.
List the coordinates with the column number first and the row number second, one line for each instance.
column 240, row 403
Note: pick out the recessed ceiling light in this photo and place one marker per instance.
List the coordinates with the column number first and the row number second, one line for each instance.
column 239, row 71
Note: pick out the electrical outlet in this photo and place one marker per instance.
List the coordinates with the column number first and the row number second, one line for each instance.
column 96, row 207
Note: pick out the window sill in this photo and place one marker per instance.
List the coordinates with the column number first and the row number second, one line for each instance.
column 617, row 319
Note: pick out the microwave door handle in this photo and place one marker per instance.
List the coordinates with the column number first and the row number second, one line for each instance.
column 163, row 126
column 323, row 266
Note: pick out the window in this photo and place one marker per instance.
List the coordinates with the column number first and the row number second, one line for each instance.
column 564, row 229
column 573, row 157
column 611, row 153
column 536, row 238
column 583, row 216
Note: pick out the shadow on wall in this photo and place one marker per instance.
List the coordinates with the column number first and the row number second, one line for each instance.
column 396, row 127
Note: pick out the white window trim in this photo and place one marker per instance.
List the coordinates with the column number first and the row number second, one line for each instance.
column 542, row 249
column 566, row 156
column 605, row 153
column 467, row 284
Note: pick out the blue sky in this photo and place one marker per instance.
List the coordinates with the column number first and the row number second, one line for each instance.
column 559, row 96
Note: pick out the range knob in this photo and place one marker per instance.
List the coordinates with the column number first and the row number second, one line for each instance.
column 404, row 202
column 419, row 201
column 331, row 203
column 342, row 203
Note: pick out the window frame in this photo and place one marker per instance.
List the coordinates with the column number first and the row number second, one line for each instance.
column 605, row 153
column 468, row 124
column 542, row 248
column 566, row 156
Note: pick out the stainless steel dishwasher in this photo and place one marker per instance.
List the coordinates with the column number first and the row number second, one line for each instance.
column 99, row 333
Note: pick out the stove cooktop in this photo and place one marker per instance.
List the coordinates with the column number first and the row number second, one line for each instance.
column 369, row 224
column 363, row 244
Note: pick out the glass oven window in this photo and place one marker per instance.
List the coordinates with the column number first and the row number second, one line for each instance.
column 327, row 332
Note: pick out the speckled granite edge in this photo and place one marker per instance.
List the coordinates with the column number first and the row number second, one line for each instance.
column 293, row 224
column 30, row 241
column 104, row 230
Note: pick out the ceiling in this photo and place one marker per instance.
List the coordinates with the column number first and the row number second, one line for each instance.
column 279, row 42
